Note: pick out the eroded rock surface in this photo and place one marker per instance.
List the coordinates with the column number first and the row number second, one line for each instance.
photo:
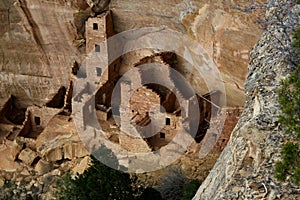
column 245, row 169
column 226, row 33
column 36, row 48
column 39, row 39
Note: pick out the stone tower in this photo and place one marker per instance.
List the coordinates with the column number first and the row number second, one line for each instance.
column 98, row 30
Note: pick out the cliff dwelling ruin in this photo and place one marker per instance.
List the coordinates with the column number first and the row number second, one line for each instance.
column 137, row 106
column 54, row 123
column 31, row 122
column 66, row 91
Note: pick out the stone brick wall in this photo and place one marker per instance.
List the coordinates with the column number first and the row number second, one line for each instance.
column 142, row 100
column 98, row 29
column 133, row 144
column 37, row 119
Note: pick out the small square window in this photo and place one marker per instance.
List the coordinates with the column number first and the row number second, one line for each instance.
column 37, row 121
column 162, row 135
column 168, row 121
column 99, row 71
column 206, row 114
column 97, row 48
column 95, row 26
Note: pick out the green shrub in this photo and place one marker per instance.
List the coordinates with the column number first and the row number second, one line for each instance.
column 290, row 163
column 101, row 182
column 289, row 100
column 97, row 182
column 190, row 189
column 150, row 194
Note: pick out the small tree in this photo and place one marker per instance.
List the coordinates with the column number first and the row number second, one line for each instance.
column 289, row 99
column 101, row 182
column 290, row 164
column 97, row 182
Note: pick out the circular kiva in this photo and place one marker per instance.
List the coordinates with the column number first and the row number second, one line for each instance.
column 161, row 75
column 88, row 83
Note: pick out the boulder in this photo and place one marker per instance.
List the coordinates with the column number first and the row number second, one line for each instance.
column 27, row 156
column 15, row 150
column 25, row 172
column 82, row 166
column 43, row 167
column 2, row 182
column 75, row 150
column 54, row 155
column 81, row 151
column 69, row 151
column 8, row 154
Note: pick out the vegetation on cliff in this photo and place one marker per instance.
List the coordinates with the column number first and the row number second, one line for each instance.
column 98, row 182
column 289, row 100
column 102, row 182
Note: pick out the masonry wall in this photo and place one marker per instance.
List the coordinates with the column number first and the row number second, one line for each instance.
column 143, row 99
column 103, row 95
column 232, row 117
column 5, row 107
column 68, row 98
column 133, row 144
column 103, row 115
column 161, row 139
column 98, row 29
column 36, row 120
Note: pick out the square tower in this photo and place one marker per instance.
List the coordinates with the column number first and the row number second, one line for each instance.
column 98, row 30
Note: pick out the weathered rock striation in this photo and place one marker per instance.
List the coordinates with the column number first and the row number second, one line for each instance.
column 226, row 33
column 245, row 168
column 39, row 39
column 36, row 49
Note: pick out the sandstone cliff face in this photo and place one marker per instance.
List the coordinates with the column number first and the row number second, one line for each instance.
column 226, row 33
column 245, row 168
column 38, row 39
column 37, row 53
column 36, row 48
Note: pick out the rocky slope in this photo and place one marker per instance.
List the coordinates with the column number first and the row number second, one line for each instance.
column 245, row 168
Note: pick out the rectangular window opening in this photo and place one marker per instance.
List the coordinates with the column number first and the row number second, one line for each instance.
column 99, row 71
column 95, row 26
column 37, row 121
column 97, row 48
column 162, row 135
column 168, row 121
